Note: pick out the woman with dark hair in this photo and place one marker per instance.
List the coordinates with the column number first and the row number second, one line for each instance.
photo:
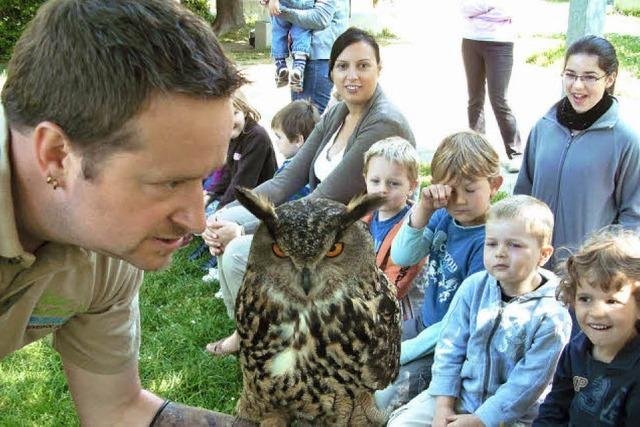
column 330, row 161
column 582, row 158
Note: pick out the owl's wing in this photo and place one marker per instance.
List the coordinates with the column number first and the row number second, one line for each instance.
column 385, row 356
column 371, row 330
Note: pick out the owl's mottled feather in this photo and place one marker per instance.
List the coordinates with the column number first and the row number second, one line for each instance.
column 319, row 332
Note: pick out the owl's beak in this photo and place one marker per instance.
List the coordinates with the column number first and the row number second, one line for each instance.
column 306, row 280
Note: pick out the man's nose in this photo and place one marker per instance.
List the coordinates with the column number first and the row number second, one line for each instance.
column 190, row 214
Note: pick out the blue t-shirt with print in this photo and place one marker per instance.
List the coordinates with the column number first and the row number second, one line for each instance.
column 380, row 229
column 456, row 253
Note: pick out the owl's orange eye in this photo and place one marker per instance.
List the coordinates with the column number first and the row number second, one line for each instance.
column 277, row 251
column 335, row 250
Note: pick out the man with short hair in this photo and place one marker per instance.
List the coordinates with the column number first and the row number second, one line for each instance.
column 115, row 112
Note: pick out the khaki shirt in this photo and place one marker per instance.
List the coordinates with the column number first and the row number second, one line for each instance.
column 87, row 300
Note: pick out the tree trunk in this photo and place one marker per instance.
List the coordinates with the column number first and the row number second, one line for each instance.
column 229, row 16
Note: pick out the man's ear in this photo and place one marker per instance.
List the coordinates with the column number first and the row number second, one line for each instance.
column 52, row 147
column 545, row 253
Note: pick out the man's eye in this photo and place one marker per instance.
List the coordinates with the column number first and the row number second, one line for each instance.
column 172, row 185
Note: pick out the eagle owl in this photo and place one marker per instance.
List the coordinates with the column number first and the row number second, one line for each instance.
column 319, row 323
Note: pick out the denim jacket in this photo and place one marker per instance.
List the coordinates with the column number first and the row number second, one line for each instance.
column 499, row 358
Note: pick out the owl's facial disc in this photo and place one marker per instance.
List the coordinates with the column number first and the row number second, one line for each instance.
column 305, row 281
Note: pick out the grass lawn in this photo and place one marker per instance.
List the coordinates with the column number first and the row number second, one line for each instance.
column 179, row 316
column 627, row 48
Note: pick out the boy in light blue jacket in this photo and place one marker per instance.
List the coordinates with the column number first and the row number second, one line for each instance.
column 503, row 333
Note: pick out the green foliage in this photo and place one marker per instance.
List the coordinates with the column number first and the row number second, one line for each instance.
column 628, row 7
column 179, row 316
column 627, row 47
column 14, row 17
column 200, row 8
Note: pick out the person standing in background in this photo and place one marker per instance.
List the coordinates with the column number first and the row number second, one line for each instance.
column 487, row 53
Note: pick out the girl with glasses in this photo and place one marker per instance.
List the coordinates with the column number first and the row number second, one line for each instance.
column 581, row 158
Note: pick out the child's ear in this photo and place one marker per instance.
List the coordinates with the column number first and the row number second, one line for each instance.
column 495, row 183
column 545, row 253
column 412, row 189
column 299, row 140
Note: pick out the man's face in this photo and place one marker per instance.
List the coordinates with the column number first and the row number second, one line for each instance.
column 141, row 203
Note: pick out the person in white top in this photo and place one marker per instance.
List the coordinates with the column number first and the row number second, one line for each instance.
column 487, row 53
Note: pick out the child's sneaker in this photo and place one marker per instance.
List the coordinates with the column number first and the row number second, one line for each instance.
column 297, row 72
column 296, row 81
column 211, row 276
column 282, row 72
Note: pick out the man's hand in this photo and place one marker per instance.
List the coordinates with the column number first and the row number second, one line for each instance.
column 219, row 233
column 274, row 7
column 444, row 410
column 174, row 415
column 464, row 420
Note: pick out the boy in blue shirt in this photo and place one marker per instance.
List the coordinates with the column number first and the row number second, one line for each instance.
column 504, row 332
column 391, row 168
column 597, row 382
column 447, row 225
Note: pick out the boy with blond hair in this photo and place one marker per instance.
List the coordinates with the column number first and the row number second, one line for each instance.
column 504, row 332
column 447, row 225
column 391, row 168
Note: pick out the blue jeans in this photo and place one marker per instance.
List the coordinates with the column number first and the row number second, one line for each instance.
column 300, row 38
column 317, row 86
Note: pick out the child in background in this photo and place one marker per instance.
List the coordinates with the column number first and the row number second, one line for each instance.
column 597, row 381
column 300, row 43
column 447, row 225
column 292, row 125
column 391, row 168
column 251, row 160
column 504, row 332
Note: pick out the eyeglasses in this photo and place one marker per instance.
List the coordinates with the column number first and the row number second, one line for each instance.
column 588, row 80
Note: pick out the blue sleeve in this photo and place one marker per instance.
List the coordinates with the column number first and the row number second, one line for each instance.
column 524, row 183
column 411, row 245
column 317, row 18
column 451, row 349
column 531, row 375
column 554, row 411
column 627, row 191
column 422, row 344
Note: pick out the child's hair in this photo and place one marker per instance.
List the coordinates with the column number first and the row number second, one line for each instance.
column 394, row 149
column 240, row 103
column 610, row 258
column 296, row 118
column 464, row 155
column 596, row 46
column 535, row 213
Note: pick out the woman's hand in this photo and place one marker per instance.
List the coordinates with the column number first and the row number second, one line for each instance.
column 274, row 7
column 219, row 233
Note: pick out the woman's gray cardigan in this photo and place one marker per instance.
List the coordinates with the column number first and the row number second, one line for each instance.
column 381, row 119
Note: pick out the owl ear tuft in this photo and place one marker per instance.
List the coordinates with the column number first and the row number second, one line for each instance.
column 359, row 206
column 258, row 205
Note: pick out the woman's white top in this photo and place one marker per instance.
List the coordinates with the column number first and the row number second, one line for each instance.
column 325, row 165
